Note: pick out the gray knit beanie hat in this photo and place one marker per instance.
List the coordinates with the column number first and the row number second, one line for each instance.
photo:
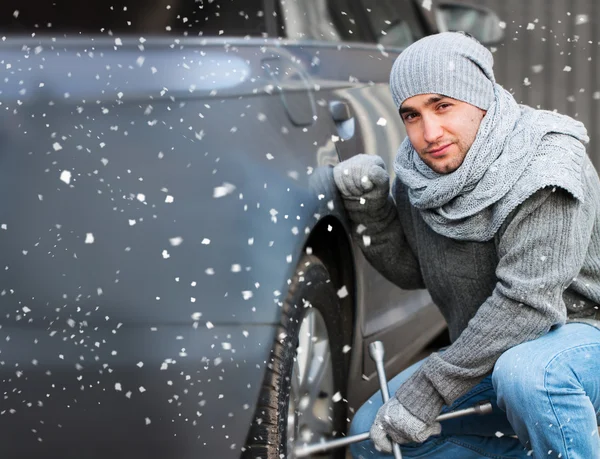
column 451, row 64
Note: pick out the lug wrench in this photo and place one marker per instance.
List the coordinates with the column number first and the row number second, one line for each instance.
column 376, row 352
column 305, row 451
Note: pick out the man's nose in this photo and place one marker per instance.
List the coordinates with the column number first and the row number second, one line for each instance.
column 432, row 130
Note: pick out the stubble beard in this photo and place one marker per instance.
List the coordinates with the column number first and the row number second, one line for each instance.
column 447, row 164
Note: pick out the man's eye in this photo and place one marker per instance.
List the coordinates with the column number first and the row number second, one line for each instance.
column 444, row 105
column 409, row 116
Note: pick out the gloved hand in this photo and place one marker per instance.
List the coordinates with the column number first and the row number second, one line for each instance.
column 396, row 421
column 362, row 176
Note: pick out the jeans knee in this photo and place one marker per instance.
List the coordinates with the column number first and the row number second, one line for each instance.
column 516, row 379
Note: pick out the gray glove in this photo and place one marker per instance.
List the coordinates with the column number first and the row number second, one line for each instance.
column 362, row 176
column 400, row 425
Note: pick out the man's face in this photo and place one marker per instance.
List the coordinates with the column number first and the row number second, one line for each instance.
column 441, row 129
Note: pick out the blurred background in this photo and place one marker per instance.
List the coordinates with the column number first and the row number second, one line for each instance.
column 550, row 57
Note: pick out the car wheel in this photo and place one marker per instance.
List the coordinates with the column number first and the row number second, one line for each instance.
column 302, row 399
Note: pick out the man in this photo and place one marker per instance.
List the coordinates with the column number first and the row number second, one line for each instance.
column 496, row 211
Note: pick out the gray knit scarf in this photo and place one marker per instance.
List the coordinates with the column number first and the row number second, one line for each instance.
column 517, row 151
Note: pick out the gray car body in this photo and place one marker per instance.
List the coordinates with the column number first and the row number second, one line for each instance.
column 139, row 325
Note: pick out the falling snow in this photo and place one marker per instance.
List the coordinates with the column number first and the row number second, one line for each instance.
column 65, row 176
column 175, row 241
column 223, row 190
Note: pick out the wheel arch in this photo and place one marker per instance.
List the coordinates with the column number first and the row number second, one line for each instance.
column 329, row 246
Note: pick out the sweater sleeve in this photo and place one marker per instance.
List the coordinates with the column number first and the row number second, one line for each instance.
column 541, row 248
column 378, row 231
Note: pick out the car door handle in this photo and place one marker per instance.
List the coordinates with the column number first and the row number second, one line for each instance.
column 342, row 116
column 340, row 111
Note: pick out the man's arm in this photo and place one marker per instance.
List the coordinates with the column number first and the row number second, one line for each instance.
column 376, row 226
column 541, row 250
column 383, row 242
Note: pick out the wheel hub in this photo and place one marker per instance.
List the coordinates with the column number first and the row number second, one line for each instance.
column 310, row 411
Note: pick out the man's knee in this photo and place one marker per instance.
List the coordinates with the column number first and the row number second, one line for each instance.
column 517, row 378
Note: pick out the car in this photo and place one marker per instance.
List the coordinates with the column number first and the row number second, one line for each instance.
column 179, row 274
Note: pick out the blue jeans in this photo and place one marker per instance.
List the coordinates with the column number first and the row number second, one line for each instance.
column 545, row 391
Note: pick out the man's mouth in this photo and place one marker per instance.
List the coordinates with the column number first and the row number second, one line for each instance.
column 439, row 151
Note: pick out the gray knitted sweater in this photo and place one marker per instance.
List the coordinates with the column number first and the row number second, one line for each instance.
column 541, row 269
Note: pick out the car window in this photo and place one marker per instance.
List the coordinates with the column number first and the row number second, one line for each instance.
column 391, row 23
column 480, row 23
column 329, row 20
column 135, row 17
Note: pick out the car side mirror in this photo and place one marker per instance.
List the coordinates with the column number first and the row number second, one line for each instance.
column 479, row 21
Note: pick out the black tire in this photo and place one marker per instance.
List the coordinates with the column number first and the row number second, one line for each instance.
column 311, row 286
